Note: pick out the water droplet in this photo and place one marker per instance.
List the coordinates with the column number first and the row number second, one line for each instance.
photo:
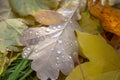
column 28, row 49
column 57, row 58
column 59, row 52
column 37, row 33
column 70, row 21
column 70, row 57
column 24, row 55
column 47, row 30
column 54, row 28
column 60, row 41
column 58, row 26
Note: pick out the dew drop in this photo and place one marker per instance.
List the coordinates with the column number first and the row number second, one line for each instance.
column 28, row 49
column 36, row 33
column 54, row 28
column 59, row 52
column 60, row 41
column 70, row 57
column 24, row 55
column 47, row 30
column 57, row 58
column 58, row 26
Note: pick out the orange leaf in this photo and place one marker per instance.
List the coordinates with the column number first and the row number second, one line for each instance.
column 109, row 16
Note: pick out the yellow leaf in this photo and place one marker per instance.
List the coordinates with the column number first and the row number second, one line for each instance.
column 102, row 57
column 89, row 23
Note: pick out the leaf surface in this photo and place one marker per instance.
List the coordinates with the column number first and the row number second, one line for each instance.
column 51, row 47
column 102, row 58
column 89, row 23
column 10, row 31
column 28, row 7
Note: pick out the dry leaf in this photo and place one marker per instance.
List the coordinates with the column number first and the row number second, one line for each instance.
column 49, row 17
column 109, row 16
column 110, row 2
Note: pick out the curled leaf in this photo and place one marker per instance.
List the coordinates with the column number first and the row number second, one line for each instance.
column 109, row 16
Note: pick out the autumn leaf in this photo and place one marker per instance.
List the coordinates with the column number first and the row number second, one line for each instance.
column 48, row 17
column 5, row 10
column 89, row 23
column 52, row 47
column 28, row 7
column 102, row 58
column 110, row 17
column 10, row 32
column 110, row 2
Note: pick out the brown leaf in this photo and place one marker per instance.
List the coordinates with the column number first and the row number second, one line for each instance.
column 109, row 16
column 49, row 17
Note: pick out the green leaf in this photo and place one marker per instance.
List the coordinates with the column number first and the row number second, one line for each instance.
column 102, row 57
column 5, row 10
column 10, row 31
column 89, row 23
column 28, row 7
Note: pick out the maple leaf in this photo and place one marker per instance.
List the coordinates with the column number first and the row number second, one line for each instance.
column 51, row 47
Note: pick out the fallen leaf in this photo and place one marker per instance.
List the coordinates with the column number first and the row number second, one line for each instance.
column 28, row 7
column 110, row 2
column 89, row 23
column 10, row 31
column 102, row 58
column 5, row 10
column 110, row 17
column 111, row 75
column 51, row 47
column 49, row 17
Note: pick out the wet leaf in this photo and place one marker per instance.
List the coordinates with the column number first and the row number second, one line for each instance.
column 10, row 31
column 52, row 47
column 89, row 23
column 28, row 7
column 110, row 17
column 102, row 58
